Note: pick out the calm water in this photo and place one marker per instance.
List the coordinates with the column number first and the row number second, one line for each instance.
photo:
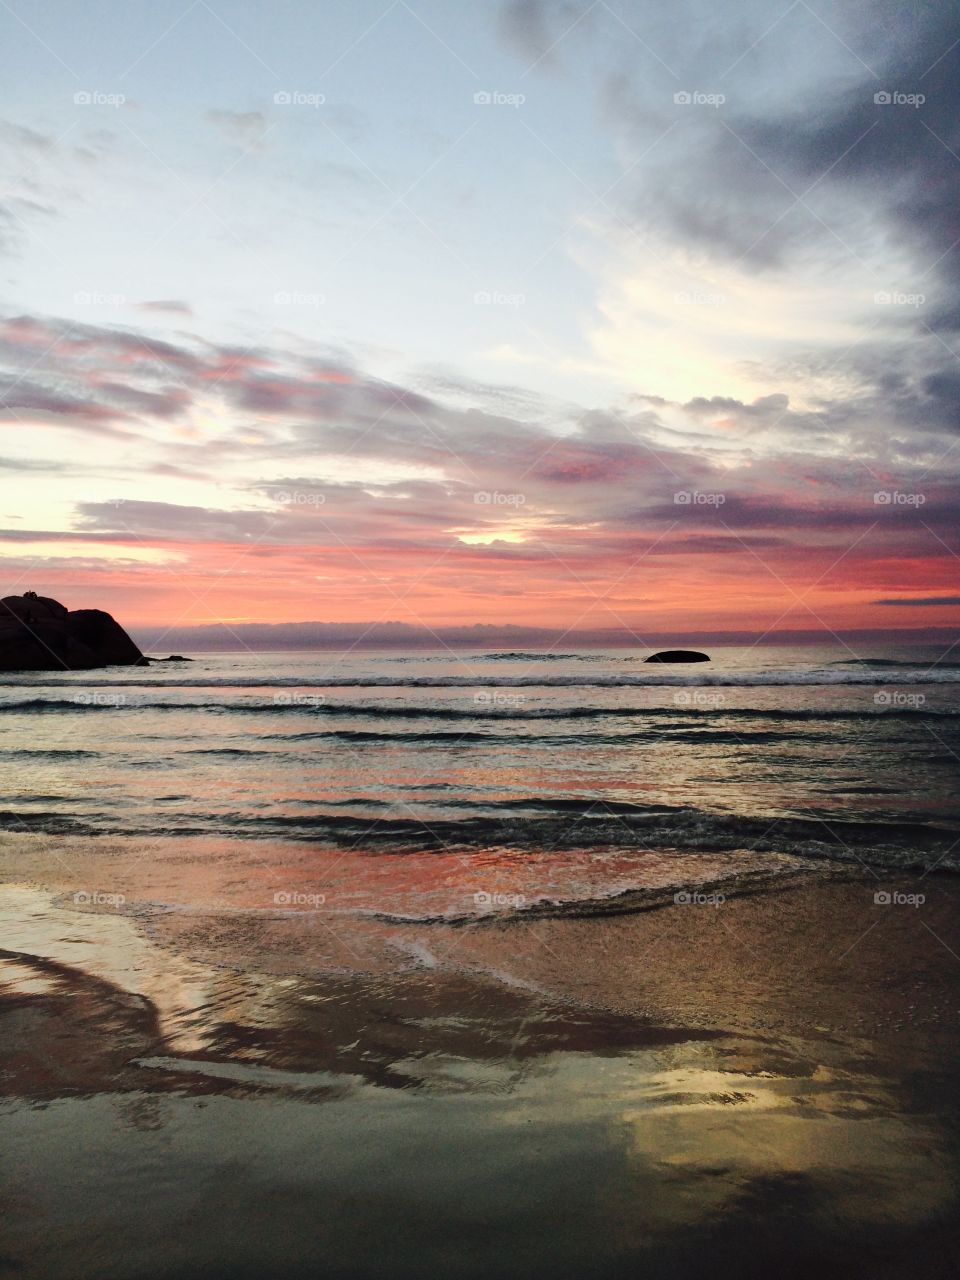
column 809, row 751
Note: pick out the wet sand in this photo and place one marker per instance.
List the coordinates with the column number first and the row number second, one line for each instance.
column 206, row 1089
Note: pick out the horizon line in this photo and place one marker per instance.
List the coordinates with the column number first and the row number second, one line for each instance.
column 305, row 636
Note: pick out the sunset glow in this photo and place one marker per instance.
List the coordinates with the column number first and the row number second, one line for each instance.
column 642, row 406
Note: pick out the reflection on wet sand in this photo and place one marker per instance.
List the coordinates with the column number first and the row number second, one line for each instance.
column 766, row 1088
column 188, row 1017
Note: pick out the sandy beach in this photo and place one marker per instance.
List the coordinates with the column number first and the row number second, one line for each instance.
column 196, row 1088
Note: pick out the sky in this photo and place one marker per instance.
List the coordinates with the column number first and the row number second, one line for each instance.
column 559, row 314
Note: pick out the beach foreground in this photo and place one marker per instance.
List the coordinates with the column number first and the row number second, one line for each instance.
column 196, row 1087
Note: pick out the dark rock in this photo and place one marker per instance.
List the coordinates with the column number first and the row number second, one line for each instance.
column 679, row 655
column 39, row 634
column 174, row 657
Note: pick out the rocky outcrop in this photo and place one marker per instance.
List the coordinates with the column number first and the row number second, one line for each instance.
column 40, row 634
column 679, row 655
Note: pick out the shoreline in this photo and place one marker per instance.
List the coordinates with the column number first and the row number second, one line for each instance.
column 817, row 924
column 760, row 1087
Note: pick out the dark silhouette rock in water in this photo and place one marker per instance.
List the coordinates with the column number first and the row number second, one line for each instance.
column 679, row 655
column 39, row 634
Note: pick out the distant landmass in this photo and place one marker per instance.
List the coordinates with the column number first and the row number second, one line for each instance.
column 265, row 636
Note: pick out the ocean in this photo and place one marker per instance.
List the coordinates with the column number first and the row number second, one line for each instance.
column 613, row 775
column 485, row 964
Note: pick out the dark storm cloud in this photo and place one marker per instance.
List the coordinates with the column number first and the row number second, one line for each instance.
column 912, row 386
column 801, row 169
column 730, row 179
column 800, row 176
column 900, row 159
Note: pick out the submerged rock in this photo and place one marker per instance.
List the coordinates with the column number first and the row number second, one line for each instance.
column 679, row 655
column 40, row 634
